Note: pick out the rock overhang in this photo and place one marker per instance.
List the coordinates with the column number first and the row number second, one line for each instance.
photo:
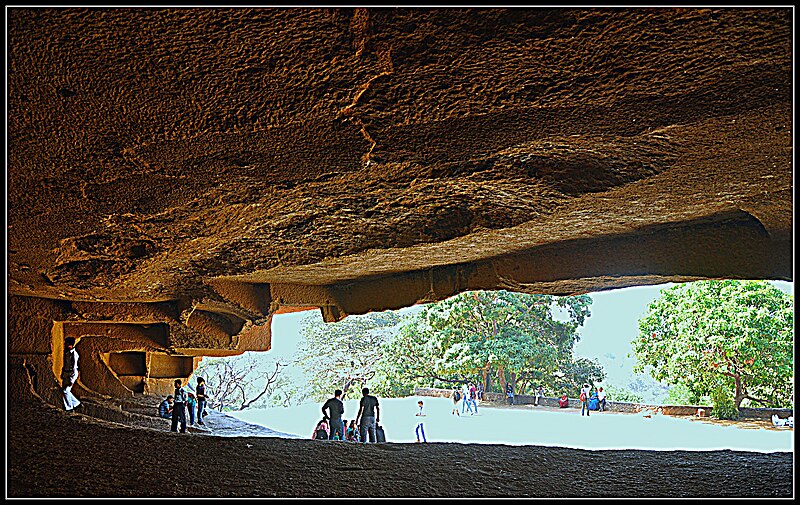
column 226, row 163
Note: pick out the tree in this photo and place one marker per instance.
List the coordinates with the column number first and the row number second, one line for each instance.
column 345, row 354
column 240, row 382
column 737, row 335
column 483, row 335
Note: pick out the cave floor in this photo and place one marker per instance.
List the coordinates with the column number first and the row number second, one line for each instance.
column 55, row 454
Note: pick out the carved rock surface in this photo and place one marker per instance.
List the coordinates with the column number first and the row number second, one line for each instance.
column 224, row 163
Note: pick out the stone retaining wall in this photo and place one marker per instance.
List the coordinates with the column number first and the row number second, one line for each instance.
column 670, row 410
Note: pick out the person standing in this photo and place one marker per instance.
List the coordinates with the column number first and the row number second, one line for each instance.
column 191, row 404
column 369, row 414
column 420, row 427
column 480, row 391
column 466, row 404
column 510, row 393
column 179, row 407
column 456, row 398
column 584, row 398
column 601, row 398
column 473, row 395
column 69, row 374
column 539, row 396
column 335, row 409
column 202, row 399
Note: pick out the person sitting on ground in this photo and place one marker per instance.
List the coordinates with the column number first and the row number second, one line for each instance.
column 351, row 434
column 321, row 432
column 563, row 402
column 165, row 409
column 777, row 421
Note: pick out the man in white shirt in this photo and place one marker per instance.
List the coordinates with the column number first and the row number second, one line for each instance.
column 584, row 397
column 69, row 374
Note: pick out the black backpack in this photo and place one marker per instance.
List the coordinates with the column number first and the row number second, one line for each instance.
column 320, row 435
column 456, row 396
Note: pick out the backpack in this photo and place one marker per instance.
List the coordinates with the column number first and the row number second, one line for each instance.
column 456, row 396
column 320, row 435
column 583, row 397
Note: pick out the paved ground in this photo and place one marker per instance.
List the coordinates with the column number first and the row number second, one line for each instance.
column 529, row 425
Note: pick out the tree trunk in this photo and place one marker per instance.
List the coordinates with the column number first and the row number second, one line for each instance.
column 502, row 376
column 740, row 394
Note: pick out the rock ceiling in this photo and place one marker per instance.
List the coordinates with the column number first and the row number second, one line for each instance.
column 362, row 159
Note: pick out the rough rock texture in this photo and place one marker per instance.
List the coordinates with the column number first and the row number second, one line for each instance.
column 143, row 462
column 151, row 150
column 178, row 176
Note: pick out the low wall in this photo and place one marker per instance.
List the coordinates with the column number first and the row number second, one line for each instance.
column 670, row 410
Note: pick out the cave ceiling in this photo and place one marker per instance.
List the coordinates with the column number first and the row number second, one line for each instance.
column 369, row 158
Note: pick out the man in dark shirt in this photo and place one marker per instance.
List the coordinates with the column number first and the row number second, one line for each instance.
column 369, row 413
column 335, row 410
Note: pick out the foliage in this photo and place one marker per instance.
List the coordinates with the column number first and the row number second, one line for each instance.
column 343, row 355
column 724, row 406
column 572, row 375
column 481, row 335
column 737, row 334
column 680, row 394
column 240, row 382
column 621, row 394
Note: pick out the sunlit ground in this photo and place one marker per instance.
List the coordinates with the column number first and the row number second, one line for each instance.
column 529, row 426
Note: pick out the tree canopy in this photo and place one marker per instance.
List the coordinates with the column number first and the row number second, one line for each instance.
column 734, row 335
column 488, row 335
column 345, row 354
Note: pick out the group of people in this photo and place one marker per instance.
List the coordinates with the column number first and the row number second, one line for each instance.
column 363, row 428
column 468, row 395
column 176, row 406
column 592, row 399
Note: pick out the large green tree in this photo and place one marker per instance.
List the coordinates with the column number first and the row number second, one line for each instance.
column 343, row 355
column 490, row 336
column 735, row 335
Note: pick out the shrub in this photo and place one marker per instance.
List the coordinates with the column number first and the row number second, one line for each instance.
column 724, row 405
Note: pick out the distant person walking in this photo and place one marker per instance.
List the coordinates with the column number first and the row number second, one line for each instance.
column 601, row 398
column 179, row 407
column 369, row 414
column 480, row 391
column 510, row 393
column 420, row 428
column 584, row 398
column 202, row 399
column 69, row 374
column 466, row 404
column 335, row 409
